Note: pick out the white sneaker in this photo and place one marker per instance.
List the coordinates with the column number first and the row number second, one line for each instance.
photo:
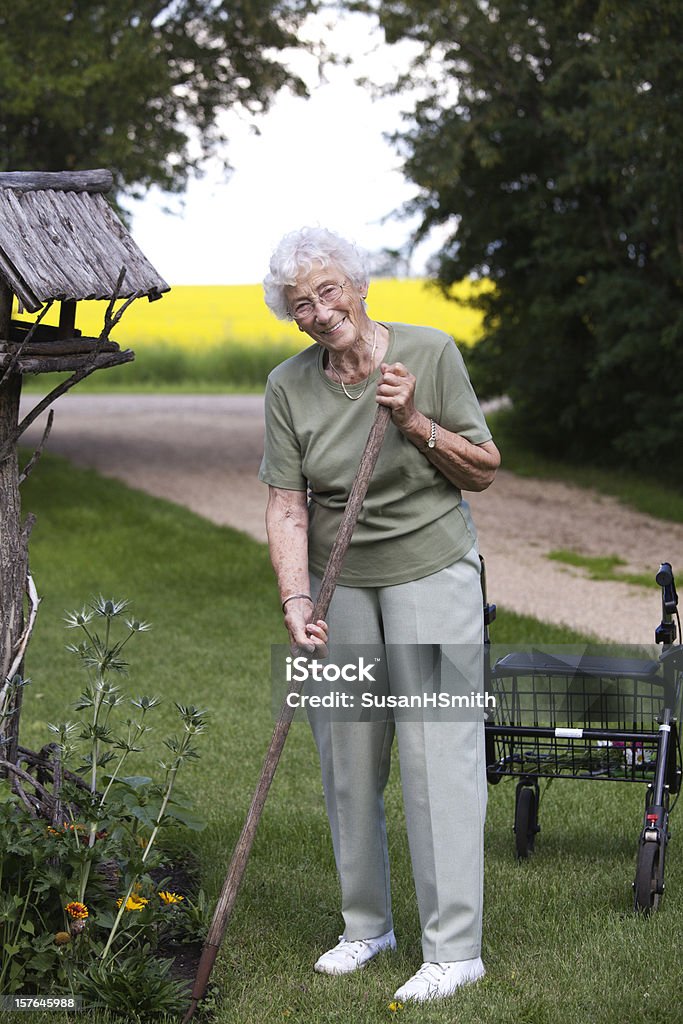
column 349, row 956
column 436, row 980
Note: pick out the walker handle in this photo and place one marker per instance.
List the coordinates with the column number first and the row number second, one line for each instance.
column 665, row 576
column 666, row 631
column 665, row 579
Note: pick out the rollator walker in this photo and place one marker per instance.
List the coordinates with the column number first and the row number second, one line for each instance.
column 600, row 717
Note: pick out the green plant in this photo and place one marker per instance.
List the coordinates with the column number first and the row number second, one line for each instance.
column 137, row 985
column 156, row 813
column 193, row 924
column 81, row 896
column 29, row 902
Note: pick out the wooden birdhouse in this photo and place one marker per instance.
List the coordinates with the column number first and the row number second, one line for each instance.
column 60, row 241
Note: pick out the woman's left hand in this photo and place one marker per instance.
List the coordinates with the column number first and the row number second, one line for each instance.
column 396, row 389
column 470, row 467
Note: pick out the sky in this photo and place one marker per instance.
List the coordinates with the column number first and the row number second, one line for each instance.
column 322, row 160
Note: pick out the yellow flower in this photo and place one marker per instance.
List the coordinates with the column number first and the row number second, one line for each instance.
column 134, row 902
column 395, row 1006
column 61, row 938
column 170, row 897
column 78, row 911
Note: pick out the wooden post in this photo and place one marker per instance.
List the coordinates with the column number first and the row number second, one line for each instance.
column 67, row 319
column 13, row 543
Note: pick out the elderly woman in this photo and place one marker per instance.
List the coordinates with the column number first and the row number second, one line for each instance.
column 411, row 577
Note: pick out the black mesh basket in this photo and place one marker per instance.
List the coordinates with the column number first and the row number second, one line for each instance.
column 576, row 716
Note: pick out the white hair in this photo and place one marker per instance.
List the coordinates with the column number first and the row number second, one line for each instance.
column 298, row 253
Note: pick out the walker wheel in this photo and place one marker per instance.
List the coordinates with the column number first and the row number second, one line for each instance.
column 649, row 884
column 526, row 820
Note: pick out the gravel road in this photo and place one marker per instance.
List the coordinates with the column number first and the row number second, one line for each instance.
column 203, row 451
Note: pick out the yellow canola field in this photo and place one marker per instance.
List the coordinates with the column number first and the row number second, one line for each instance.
column 196, row 317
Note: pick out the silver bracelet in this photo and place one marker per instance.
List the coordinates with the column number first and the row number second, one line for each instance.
column 293, row 597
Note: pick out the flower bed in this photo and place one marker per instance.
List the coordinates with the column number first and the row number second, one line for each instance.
column 88, row 906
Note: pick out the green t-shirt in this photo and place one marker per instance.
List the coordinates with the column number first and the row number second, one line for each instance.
column 413, row 521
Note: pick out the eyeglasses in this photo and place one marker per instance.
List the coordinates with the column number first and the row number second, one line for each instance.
column 327, row 296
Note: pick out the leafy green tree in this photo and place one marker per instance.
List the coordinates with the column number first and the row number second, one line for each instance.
column 548, row 138
column 136, row 85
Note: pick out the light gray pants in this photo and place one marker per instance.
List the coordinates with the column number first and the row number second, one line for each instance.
column 443, row 773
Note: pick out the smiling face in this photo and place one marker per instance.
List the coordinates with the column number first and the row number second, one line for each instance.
column 339, row 326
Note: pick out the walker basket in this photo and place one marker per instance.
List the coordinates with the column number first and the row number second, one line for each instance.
column 577, row 716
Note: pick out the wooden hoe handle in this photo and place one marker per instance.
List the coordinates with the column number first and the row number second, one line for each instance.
column 226, row 900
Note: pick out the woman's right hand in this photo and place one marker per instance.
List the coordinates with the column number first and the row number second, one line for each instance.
column 305, row 636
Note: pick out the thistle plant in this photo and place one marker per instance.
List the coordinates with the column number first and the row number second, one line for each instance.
column 102, row 656
column 100, row 652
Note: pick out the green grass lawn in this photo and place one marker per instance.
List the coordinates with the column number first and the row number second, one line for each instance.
column 560, row 942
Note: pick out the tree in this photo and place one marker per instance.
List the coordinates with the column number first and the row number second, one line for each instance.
column 136, row 85
column 548, row 137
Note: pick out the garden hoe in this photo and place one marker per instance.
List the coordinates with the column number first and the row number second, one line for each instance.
column 226, row 900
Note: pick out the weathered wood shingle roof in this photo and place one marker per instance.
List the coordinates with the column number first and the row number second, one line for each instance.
column 60, row 239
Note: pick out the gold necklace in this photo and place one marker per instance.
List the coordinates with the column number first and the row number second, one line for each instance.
column 354, row 398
